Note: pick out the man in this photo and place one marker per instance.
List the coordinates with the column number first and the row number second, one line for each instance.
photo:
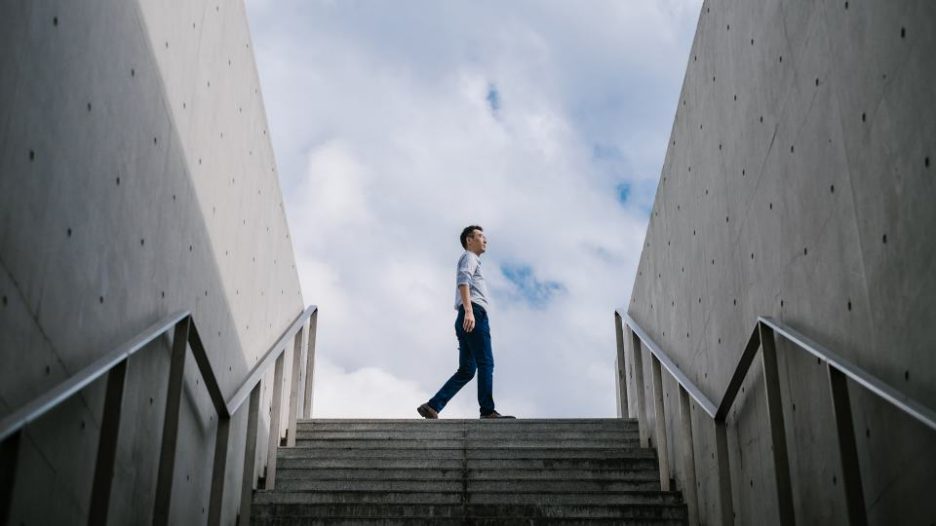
column 472, row 330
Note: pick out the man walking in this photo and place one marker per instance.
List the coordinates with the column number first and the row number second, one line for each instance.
column 472, row 330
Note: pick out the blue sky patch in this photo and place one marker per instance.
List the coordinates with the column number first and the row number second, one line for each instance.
column 623, row 192
column 493, row 98
column 534, row 292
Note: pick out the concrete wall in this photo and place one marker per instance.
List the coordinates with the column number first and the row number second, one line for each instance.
column 137, row 178
column 799, row 183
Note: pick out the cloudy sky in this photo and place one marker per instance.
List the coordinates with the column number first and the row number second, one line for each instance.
column 396, row 124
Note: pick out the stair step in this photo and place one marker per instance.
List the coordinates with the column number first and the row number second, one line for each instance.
column 444, row 434
column 469, row 453
column 630, row 511
column 461, row 474
column 579, row 498
column 504, row 484
column 394, row 443
column 459, row 521
column 473, row 427
column 454, row 421
column 623, row 464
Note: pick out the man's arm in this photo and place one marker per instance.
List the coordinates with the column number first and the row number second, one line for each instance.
column 469, row 322
column 466, row 268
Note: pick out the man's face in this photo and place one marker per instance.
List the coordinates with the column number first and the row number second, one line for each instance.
column 477, row 243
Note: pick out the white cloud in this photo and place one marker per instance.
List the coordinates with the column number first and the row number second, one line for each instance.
column 388, row 147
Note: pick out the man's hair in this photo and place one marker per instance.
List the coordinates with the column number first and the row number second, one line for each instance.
column 468, row 232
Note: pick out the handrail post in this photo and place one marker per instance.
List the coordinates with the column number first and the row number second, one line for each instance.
column 218, row 470
column 250, row 456
column 171, row 422
column 659, row 418
column 726, row 506
column 294, row 389
column 310, row 366
column 848, row 449
column 9, row 458
column 275, row 410
column 620, row 369
column 639, row 387
column 777, row 429
column 107, row 445
column 689, row 488
column 617, row 390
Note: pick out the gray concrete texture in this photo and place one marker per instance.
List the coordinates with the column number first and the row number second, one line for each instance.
column 454, row 471
column 799, row 183
column 137, row 178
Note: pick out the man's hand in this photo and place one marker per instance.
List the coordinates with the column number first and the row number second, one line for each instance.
column 469, row 322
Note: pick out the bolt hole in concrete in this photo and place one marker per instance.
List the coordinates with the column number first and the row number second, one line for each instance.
column 903, row 32
column 32, row 155
column 849, row 305
column 55, row 23
column 69, row 232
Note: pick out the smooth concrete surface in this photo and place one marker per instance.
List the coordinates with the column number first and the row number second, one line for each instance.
column 799, row 183
column 137, row 178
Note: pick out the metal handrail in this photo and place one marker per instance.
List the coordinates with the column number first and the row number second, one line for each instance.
column 113, row 365
column 762, row 338
column 43, row 404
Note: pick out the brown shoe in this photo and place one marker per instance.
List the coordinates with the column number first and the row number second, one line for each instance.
column 495, row 414
column 427, row 412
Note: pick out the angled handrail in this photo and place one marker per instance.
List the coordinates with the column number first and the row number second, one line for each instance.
column 33, row 410
column 113, row 365
column 762, row 338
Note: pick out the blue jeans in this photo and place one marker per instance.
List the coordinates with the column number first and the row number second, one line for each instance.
column 474, row 354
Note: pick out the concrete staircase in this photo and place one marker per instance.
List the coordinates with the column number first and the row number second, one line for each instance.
column 524, row 471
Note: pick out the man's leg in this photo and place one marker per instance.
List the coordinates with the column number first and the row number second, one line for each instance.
column 464, row 374
column 480, row 343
